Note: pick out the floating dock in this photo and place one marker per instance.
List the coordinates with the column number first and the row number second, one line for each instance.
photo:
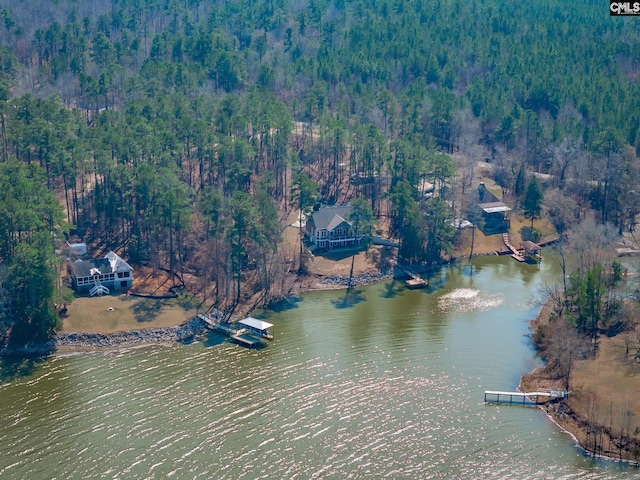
column 523, row 398
column 414, row 281
column 245, row 339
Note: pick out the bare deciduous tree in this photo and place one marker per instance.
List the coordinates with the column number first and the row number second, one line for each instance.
column 565, row 346
column 623, row 426
column 590, row 242
column 566, row 155
column 562, row 210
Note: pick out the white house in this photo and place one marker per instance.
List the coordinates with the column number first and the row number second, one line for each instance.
column 329, row 228
column 102, row 275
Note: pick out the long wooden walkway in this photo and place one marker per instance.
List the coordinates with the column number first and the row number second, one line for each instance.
column 523, row 398
column 515, row 253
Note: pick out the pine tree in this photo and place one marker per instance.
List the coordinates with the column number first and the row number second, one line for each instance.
column 532, row 202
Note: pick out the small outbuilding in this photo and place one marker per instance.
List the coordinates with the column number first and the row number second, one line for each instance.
column 77, row 249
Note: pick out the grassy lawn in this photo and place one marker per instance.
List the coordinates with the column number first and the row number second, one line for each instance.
column 605, row 387
column 115, row 313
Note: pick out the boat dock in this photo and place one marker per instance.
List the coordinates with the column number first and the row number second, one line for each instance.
column 515, row 253
column 257, row 327
column 242, row 336
column 245, row 339
column 523, row 398
column 209, row 321
column 414, row 281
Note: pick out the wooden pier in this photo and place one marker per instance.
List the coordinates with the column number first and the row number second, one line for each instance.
column 414, row 281
column 209, row 321
column 523, row 398
column 515, row 253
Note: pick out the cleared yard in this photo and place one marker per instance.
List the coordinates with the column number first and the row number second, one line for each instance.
column 114, row 313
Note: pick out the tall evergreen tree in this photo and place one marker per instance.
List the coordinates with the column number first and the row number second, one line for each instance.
column 532, row 201
column 304, row 194
column 361, row 218
column 30, row 220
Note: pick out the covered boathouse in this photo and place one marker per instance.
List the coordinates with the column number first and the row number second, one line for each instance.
column 532, row 251
column 257, row 327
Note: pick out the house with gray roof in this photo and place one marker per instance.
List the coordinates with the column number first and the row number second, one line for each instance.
column 329, row 228
column 100, row 275
column 494, row 211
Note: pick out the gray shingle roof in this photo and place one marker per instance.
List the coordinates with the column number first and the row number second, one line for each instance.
column 329, row 218
column 83, row 268
column 109, row 264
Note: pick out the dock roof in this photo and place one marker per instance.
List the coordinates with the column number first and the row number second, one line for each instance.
column 530, row 246
column 255, row 323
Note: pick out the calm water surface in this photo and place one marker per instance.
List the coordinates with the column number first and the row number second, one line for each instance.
column 384, row 383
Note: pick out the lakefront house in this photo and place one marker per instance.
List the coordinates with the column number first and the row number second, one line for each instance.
column 100, row 275
column 329, row 228
column 494, row 211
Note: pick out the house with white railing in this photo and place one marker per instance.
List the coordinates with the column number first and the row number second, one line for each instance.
column 329, row 228
column 101, row 275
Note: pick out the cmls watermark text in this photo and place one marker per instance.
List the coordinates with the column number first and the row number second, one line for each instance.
column 624, row 8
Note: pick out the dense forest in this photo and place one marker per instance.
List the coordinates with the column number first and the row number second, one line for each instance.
column 182, row 133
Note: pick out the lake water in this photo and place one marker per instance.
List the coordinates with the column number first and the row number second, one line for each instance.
column 384, row 383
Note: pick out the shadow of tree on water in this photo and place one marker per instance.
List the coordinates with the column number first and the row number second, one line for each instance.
column 350, row 299
column 212, row 339
column 288, row 303
column 434, row 284
column 393, row 289
column 12, row 368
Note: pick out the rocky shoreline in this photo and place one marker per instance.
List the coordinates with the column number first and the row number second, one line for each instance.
column 181, row 333
column 357, row 280
column 88, row 341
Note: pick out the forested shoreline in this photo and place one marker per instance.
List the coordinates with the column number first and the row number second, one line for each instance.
column 182, row 134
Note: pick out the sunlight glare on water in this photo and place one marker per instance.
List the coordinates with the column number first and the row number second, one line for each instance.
column 384, row 383
column 468, row 299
